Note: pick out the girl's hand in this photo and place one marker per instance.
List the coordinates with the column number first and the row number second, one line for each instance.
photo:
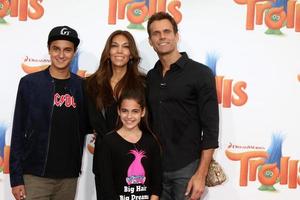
column 154, row 197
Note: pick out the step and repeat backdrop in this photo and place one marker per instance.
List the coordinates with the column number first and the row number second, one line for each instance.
column 252, row 46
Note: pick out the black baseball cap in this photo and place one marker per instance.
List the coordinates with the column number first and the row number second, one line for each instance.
column 63, row 33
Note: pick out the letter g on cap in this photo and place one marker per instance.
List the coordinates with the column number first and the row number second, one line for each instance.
column 64, row 31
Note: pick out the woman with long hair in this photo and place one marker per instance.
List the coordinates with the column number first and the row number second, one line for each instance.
column 118, row 71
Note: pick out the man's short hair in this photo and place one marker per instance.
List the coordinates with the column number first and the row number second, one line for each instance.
column 63, row 33
column 160, row 16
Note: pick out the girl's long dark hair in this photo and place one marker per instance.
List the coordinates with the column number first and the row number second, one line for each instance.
column 98, row 84
column 137, row 94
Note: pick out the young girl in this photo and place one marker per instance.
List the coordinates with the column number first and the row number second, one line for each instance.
column 129, row 158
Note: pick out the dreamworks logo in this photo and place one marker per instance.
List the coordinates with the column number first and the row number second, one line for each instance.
column 65, row 31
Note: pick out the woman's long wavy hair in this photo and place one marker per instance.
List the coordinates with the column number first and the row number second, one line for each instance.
column 98, row 84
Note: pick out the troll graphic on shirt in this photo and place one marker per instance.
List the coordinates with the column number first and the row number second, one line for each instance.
column 136, row 171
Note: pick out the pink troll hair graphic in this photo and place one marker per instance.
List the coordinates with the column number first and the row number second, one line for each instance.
column 136, row 171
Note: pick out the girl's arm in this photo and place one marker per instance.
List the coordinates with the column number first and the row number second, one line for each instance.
column 156, row 172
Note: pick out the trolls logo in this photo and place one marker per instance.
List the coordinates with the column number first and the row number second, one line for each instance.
column 270, row 166
column 228, row 91
column 139, row 10
column 278, row 13
column 4, row 151
column 22, row 9
column 31, row 69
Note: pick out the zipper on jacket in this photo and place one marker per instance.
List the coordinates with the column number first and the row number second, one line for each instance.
column 50, row 125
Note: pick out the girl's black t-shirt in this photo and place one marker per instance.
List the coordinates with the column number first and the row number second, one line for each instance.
column 129, row 170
